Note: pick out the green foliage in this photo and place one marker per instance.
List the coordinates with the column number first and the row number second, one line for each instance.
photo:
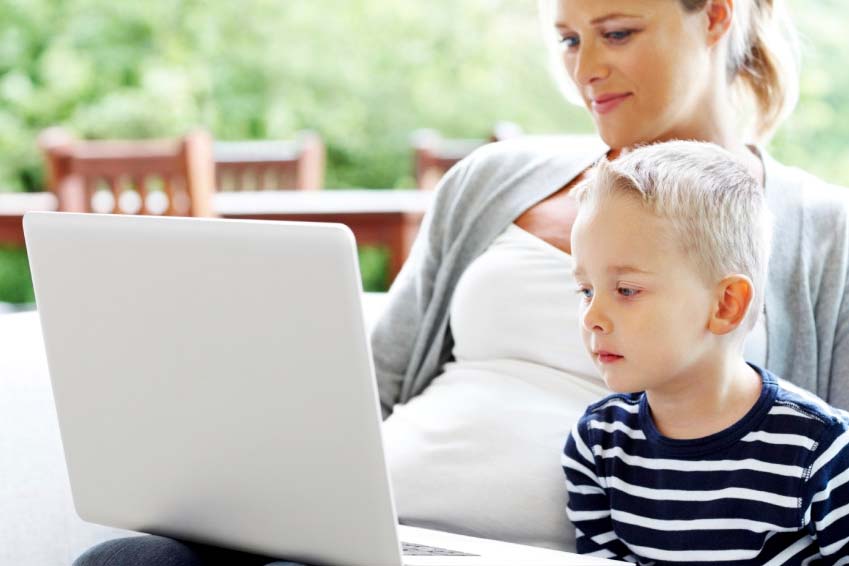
column 816, row 136
column 15, row 284
column 363, row 73
column 374, row 267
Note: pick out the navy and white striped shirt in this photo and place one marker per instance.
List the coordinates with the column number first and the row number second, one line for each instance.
column 771, row 489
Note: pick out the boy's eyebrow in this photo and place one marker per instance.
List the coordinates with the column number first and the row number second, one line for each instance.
column 620, row 269
column 616, row 270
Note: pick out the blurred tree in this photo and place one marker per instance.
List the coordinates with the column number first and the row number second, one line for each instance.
column 15, row 285
column 816, row 136
column 363, row 73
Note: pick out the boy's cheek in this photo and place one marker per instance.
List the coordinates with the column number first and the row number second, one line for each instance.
column 585, row 336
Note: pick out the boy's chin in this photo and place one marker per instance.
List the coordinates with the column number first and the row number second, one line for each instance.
column 620, row 383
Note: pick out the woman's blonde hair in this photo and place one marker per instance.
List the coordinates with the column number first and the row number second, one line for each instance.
column 763, row 60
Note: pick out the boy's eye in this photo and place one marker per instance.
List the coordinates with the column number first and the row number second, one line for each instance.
column 586, row 293
column 627, row 291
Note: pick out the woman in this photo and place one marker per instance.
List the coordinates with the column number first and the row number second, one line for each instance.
column 478, row 356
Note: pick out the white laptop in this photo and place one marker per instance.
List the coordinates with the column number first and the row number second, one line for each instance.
column 213, row 382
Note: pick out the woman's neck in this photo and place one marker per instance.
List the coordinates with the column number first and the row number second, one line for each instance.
column 749, row 158
column 717, row 123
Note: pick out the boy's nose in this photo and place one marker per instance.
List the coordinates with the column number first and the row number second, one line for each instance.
column 594, row 318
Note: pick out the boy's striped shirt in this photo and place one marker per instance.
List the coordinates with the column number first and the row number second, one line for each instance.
column 772, row 489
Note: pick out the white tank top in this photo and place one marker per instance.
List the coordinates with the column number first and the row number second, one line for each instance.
column 478, row 452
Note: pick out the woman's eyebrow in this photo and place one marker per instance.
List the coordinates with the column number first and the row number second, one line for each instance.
column 613, row 16
column 599, row 20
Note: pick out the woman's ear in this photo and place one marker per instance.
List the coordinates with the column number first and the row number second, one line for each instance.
column 733, row 298
column 719, row 16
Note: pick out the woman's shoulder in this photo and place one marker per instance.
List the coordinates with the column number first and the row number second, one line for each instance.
column 541, row 150
column 517, row 162
column 793, row 188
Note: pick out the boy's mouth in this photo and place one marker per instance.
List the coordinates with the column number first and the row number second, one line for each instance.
column 606, row 357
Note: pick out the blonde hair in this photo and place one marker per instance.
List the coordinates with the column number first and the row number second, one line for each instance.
column 716, row 209
column 763, row 60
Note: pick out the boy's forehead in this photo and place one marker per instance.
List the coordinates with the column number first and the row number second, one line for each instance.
column 623, row 233
column 621, row 215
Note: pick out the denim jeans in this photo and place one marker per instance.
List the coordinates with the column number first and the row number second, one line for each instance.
column 151, row 550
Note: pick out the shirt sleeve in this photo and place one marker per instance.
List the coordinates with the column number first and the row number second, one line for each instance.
column 396, row 332
column 826, row 497
column 838, row 392
column 838, row 385
column 589, row 507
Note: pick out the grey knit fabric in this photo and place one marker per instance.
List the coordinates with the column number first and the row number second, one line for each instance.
column 806, row 314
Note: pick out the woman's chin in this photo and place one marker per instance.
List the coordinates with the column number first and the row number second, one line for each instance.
column 617, row 138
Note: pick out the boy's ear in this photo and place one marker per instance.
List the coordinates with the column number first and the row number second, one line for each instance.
column 733, row 297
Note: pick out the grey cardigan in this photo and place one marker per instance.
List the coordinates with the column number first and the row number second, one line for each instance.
column 807, row 315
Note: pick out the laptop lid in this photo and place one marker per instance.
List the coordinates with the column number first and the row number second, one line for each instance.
column 213, row 381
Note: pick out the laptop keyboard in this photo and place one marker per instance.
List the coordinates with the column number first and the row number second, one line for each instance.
column 410, row 549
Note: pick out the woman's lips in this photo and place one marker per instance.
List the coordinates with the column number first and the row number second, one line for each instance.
column 608, row 102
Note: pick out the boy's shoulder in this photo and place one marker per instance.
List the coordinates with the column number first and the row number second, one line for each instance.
column 810, row 411
column 801, row 417
column 623, row 407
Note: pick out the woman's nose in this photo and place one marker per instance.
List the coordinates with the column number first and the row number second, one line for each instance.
column 590, row 65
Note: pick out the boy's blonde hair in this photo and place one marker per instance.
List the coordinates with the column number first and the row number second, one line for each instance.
column 716, row 209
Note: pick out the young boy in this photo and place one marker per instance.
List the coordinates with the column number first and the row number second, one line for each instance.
column 697, row 457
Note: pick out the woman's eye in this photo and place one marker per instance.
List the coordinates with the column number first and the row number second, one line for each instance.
column 569, row 41
column 627, row 291
column 618, row 36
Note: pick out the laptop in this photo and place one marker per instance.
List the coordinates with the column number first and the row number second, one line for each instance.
column 213, row 382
